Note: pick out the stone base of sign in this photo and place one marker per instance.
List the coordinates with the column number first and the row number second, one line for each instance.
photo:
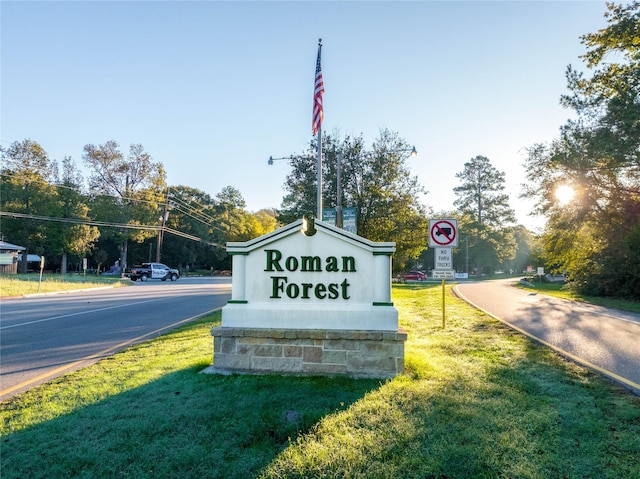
column 358, row 354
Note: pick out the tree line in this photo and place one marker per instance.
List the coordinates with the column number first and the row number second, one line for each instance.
column 125, row 207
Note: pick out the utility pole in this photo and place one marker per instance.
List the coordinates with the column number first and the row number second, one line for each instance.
column 163, row 220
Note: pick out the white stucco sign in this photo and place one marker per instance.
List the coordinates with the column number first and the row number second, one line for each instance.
column 311, row 277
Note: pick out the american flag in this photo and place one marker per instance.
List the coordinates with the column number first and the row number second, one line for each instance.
column 318, row 91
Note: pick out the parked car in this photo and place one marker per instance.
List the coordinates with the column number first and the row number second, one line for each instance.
column 412, row 276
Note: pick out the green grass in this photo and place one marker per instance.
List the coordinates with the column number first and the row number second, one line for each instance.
column 477, row 401
column 561, row 291
column 21, row 284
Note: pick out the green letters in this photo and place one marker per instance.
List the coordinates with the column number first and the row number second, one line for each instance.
column 311, row 263
column 273, row 260
column 320, row 290
column 332, row 264
column 348, row 264
column 278, row 285
column 281, row 287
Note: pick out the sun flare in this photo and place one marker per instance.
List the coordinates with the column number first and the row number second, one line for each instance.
column 564, row 194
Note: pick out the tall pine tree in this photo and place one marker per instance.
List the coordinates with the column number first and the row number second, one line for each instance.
column 486, row 218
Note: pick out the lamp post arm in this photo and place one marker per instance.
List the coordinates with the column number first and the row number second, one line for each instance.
column 272, row 159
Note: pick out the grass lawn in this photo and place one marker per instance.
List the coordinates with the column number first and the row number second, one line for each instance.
column 477, row 401
column 21, row 284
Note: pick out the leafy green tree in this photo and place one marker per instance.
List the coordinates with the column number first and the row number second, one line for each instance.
column 192, row 212
column 485, row 214
column 528, row 245
column 127, row 191
column 229, row 208
column 268, row 220
column 377, row 183
column 100, row 257
column 27, row 175
column 233, row 219
column 595, row 236
column 74, row 236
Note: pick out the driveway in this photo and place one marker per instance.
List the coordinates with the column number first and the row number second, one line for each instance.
column 603, row 339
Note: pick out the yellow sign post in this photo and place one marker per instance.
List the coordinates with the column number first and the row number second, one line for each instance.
column 443, row 306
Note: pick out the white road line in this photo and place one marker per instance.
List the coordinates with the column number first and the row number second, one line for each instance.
column 77, row 314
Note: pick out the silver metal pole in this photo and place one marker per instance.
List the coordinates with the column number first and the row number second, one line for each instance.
column 467, row 256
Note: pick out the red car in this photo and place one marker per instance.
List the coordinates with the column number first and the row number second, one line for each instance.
column 412, row 276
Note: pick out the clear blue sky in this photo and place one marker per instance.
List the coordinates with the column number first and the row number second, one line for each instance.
column 211, row 89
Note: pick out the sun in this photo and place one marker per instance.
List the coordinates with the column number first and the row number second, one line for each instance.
column 564, row 194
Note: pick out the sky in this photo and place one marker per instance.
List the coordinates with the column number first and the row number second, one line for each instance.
column 211, row 89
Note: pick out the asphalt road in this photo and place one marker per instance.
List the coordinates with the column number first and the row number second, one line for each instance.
column 603, row 339
column 45, row 336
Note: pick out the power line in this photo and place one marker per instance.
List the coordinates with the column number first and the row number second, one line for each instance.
column 79, row 221
column 108, row 225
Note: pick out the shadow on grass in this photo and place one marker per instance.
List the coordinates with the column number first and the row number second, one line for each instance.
column 183, row 425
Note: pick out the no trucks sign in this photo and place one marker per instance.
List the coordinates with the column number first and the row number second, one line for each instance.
column 443, row 233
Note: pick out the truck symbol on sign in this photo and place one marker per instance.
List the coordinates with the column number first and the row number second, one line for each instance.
column 440, row 230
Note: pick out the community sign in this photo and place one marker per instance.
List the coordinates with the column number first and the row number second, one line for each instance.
column 305, row 276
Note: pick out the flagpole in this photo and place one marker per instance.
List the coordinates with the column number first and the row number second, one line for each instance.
column 316, row 124
column 319, row 212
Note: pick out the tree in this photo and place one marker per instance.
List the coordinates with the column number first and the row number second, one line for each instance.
column 268, row 220
column 485, row 215
column 27, row 190
column 596, row 236
column 528, row 246
column 75, row 238
column 100, row 256
column 233, row 219
column 125, row 190
column 192, row 212
column 377, row 183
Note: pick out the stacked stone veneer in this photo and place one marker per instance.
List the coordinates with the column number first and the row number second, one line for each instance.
column 373, row 354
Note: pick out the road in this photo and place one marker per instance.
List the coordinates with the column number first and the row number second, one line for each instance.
column 45, row 336
column 603, row 339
